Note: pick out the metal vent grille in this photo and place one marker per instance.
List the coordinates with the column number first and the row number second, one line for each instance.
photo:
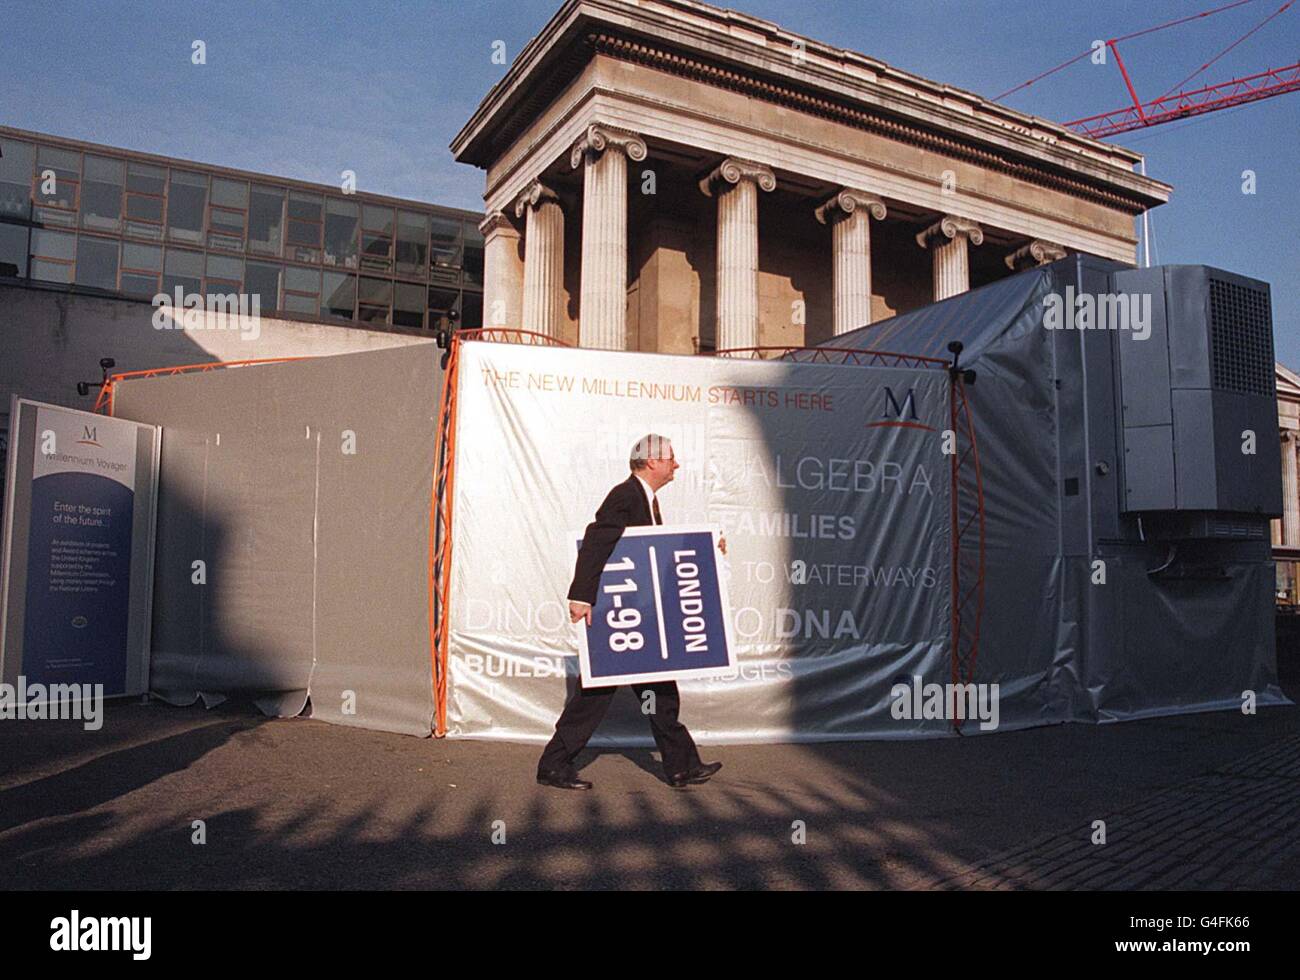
column 1220, row 526
column 1241, row 336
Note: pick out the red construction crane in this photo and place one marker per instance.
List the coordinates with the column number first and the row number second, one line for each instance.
column 1180, row 104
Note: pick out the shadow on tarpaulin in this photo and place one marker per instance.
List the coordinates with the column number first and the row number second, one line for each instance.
column 1179, row 623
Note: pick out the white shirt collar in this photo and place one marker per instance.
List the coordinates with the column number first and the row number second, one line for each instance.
column 649, row 495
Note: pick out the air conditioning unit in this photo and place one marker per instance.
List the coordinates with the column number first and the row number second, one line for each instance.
column 1198, row 405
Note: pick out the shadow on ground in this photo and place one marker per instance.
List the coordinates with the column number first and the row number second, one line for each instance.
column 1208, row 800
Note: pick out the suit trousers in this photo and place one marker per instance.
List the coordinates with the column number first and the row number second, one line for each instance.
column 585, row 709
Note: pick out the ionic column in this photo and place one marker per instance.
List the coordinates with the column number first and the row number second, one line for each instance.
column 736, row 183
column 602, row 312
column 1035, row 253
column 849, row 214
column 947, row 239
column 503, row 272
column 1290, row 493
column 543, row 309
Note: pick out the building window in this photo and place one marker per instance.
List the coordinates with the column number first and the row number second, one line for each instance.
column 444, row 251
column 306, row 222
column 228, row 214
column 97, row 262
column 340, row 296
column 225, row 274
column 471, row 307
column 140, row 267
column 183, row 268
column 101, row 195
column 262, row 279
column 413, row 247
column 473, row 255
column 265, row 220
column 408, row 305
column 144, row 200
column 341, row 234
column 302, row 291
column 16, row 168
column 13, row 251
column 441, row 303
column 187, row 200
column 53, row 253
column 374, row 298
column 57, row 186
column 376, row 239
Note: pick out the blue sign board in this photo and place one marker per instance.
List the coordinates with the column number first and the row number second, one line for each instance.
column 77, row 560
column 661, row 611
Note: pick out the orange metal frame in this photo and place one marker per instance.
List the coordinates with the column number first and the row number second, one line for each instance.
column 862, row 357
column 966, row 501
column 441, row 506
column 104, row 402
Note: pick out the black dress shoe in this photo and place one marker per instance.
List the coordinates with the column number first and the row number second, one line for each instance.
column 562, row 780
column 679, row 781
column 702, row 772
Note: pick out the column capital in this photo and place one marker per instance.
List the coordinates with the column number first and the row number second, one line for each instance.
column 497, row 222
column 949, row 227
column 599, row 137
column 733, row 170
column 1037, row 252
column 847, row 201
column 534, row 195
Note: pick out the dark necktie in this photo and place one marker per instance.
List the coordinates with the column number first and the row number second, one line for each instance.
column 659, row 518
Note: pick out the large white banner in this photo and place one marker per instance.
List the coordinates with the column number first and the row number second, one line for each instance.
column 829, row 482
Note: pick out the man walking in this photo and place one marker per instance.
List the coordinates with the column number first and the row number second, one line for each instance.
column 631, row 503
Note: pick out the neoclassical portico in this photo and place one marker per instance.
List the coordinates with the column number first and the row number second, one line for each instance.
column 642, row 195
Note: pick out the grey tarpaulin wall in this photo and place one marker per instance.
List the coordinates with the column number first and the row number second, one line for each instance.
column 316, row 558
column 1064, row 648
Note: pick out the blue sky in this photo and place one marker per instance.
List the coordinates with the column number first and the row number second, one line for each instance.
column 309, row 90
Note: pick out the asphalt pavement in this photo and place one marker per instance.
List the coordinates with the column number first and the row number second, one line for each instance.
column 179, row 798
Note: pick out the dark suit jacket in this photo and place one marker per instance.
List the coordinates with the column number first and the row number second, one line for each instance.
column 625, row 506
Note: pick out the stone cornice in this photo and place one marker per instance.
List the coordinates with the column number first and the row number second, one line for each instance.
column 949, row 227
column 728, row 49
column 846, row 202
column 599, row 138
column 878, row 123
column 733, row 170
